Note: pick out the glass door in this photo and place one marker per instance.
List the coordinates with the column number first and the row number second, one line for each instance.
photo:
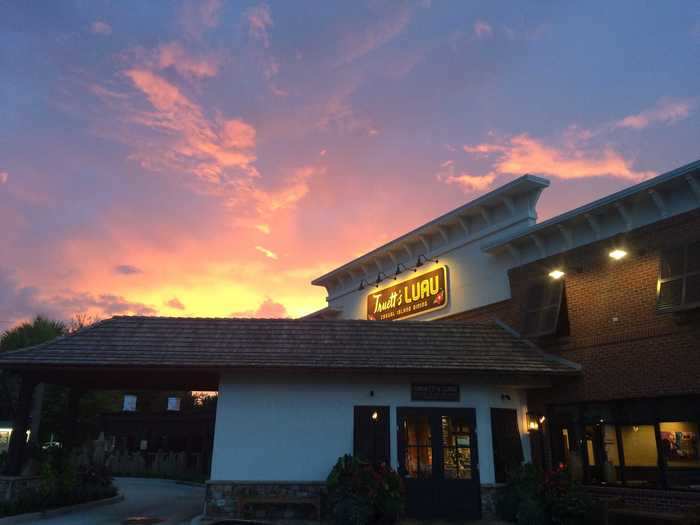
column 437, row 458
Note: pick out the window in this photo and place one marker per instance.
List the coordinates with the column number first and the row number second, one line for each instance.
column 129, row 403
column 419, row 450
column 542, row 308
column 639, row 445
column 679, row 444
column 173, row 404
column 679, row 278
column 679, row 448
column 456, row 448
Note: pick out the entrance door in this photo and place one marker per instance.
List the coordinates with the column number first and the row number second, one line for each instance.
column 438, row 460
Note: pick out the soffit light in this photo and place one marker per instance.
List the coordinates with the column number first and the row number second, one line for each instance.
column 617, row 254
column 556, row 274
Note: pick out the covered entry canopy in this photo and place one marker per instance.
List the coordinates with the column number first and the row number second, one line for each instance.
column 192, row 353
column 167, row 352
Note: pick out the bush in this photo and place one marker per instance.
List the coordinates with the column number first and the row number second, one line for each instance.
column 360, row 493
column 552, row 499
column 62, row 484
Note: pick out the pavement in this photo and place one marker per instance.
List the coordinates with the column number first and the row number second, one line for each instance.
column 168, row 502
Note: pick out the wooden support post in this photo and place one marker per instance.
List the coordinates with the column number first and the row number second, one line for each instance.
column 71, row 417
column 17, row 449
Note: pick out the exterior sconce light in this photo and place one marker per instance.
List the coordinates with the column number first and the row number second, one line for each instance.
column 400, row 268
column 420, row 262
column 375, row 415
column 556, row 274
column 542, row 419
column 617, row 254
column 379, row 279
column 533, row 422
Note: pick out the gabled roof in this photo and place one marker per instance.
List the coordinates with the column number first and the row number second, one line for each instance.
column 167, row 343
column 660, row 197
column 512, row 203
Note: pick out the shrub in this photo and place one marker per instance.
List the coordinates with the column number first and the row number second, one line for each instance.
column 360, row 493
column 553, row 499
column 61, row 484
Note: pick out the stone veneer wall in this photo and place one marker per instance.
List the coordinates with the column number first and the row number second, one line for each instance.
column 264, row 500
column 489, row 498
column 12, row 486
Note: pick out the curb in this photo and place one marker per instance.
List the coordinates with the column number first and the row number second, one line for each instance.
column 190, row 483
column 34, row 516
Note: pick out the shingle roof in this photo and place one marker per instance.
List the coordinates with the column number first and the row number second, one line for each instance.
column 196, row 343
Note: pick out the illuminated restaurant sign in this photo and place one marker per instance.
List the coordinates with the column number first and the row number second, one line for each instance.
column 418, row 295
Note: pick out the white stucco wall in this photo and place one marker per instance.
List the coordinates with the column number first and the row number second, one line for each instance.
column 295, row 428
column 475, row 279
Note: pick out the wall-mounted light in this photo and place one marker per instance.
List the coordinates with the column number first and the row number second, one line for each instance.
column 363, row 283
column 420, row 262
column 542, row 419
column 617, row 254
column 400, row 268
column 556, row 274
column 375, row 415
column 635, row 428
column 533, row 422
column 380, row 279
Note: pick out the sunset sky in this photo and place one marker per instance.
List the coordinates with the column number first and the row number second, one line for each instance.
column 210, row 158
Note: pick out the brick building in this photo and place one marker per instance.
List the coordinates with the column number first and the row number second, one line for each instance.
column 593, row 361
column 625, row 306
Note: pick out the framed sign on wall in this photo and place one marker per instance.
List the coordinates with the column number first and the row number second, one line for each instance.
column 419, row 294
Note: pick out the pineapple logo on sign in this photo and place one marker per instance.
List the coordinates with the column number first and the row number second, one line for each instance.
column 418, row 295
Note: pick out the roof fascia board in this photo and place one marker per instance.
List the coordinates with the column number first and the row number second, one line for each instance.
column 526, row 184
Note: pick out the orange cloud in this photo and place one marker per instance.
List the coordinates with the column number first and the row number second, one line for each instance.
column 175, row 303
column 267, row 253
column 666, row 111
column 523, row 154
column 268, row 309
column 173, row 55
column 189, row 141
column 470, row 183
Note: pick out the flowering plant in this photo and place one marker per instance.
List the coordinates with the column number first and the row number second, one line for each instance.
column 361, row 493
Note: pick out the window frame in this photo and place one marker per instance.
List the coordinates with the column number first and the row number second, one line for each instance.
column 527, row 310
column 683, row 277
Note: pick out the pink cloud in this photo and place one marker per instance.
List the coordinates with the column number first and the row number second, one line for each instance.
column 100, row 28
column 197, row 17
column 268, row 309
column 259, row 20
column 175, row 303
column 666, row 111
column 482, row 30
column 524, row 154
column 174, row 55
column 266, row 202
column 383, row 29
column 187, row 140
column 470, row 183
column 4, row 177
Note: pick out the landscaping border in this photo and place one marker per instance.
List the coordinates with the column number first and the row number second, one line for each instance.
column 50, row 513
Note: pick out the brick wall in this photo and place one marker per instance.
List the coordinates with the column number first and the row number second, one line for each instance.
column 626, row 348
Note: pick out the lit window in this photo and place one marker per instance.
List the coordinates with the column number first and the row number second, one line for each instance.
column 129, row 403
column 679, row 443
column 679, row 278
column 173, row 404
